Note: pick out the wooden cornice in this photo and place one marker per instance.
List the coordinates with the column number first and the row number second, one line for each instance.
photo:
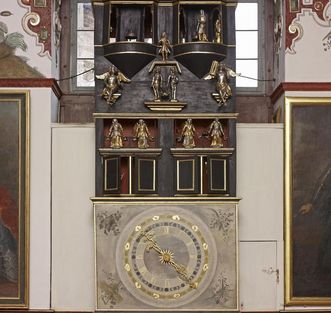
column 32, row 83
column 296, row 86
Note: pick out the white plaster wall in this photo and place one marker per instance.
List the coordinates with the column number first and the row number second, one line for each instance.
column 40, row 198
column 259, row 183
column 310, row 63
column 72, row 217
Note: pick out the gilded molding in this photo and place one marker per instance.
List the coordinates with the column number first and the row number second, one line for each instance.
column 165, row 115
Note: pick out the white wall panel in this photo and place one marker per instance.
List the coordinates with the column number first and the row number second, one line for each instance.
column 72, row 218
column 260, row 181
column 258, row 276
column 40, row 197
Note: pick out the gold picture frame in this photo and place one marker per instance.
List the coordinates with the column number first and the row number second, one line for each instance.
column 307, row 221
column 14, row 198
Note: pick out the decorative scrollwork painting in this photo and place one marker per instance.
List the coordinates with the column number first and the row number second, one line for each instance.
column 14, row 198
column 308, row 201
column 165, row 255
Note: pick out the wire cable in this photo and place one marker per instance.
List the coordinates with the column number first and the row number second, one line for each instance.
column 70, row 77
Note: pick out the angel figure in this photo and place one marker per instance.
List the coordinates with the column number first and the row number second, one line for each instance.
column 216, row 134
column 112, row 79
column 222, row 74
column 165, row 46
column 141, row 134
column 187, row 135
column 115, row 134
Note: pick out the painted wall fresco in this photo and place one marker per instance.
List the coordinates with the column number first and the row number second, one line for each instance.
column 25, row 39
column 321, row 12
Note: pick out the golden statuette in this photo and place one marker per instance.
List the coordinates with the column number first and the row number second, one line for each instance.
column 201, row 26
column 157, row 83
column 165, row 47
column 172, row 84
column 113, row 80
column 187, row 135
column 222, row 74
column 115, row 135
column 218, row 30
column 216, row 134
column 166, row 256
column 141, row 134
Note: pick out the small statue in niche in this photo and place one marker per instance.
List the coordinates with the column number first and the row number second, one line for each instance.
column 157, row 84
column 172, row 84
column 216, row 134
column 218, row 30
column 165, row 47
column 222, row 74
column 113, row 82
column 187, row 135
column 115, row 135
column 201, row 26
column 141, row 134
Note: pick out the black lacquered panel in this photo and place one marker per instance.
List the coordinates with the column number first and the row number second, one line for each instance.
column 217, row 175
column 145, row 175
column 111, row 175
column 187, row 175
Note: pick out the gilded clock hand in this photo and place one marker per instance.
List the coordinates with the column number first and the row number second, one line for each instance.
column 181, row 270
column 166, row 257
column 152, row 243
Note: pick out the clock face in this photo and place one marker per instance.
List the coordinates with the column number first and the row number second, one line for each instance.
column 166, row 258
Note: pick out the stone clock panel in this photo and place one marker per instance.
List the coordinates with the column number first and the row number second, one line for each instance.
column 166, row 255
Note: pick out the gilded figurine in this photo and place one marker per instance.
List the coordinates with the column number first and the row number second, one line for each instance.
column 141, row 134
column 187, row 135
column 201, row 26
column 115, row 134
column 216, row 134
column 165, row 47
column 218, row 30
column 157, row 84
column 172, row 84
column 113, row 79
column 222, row 74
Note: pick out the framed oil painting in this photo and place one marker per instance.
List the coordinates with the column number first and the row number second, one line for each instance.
column 308, row 201
column 14, row 198
column 166, row 255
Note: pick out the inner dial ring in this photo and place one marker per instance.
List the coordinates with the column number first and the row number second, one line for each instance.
column 154, row 274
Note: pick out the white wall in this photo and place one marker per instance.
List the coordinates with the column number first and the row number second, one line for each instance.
column 72, row 217
column 260, row 219
column 260, row 184
column 40, row 197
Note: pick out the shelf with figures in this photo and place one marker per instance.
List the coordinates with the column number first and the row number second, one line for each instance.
column 129, row 156
column 130, row 135
column 202, row 135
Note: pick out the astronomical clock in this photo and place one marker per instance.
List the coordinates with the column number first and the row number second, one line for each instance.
column 165, row 205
